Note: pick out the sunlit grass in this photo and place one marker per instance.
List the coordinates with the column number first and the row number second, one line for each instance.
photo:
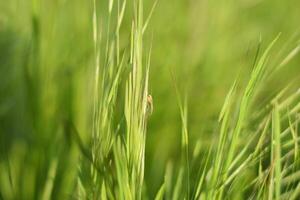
column 253, row 152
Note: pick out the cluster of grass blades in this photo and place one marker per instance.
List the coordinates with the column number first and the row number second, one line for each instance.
column 118, row 145
column 257, row 151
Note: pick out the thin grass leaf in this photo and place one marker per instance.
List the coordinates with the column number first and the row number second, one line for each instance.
column 160, row 193
column 50, row 180
column 276, row 143
column 149, row 16
column 295, row 138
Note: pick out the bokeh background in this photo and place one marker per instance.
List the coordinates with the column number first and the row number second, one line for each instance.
column 46, row 73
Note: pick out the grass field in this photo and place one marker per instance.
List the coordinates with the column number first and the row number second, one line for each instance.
column 146, row 99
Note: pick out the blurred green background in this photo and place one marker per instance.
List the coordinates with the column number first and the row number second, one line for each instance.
column 46, row 73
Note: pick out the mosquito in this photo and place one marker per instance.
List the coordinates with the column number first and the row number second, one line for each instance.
column 149, row 109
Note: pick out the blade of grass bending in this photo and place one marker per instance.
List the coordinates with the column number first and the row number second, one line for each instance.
column 256, row 74
column 224, row 119
column 289, row 57
column 255, row 78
